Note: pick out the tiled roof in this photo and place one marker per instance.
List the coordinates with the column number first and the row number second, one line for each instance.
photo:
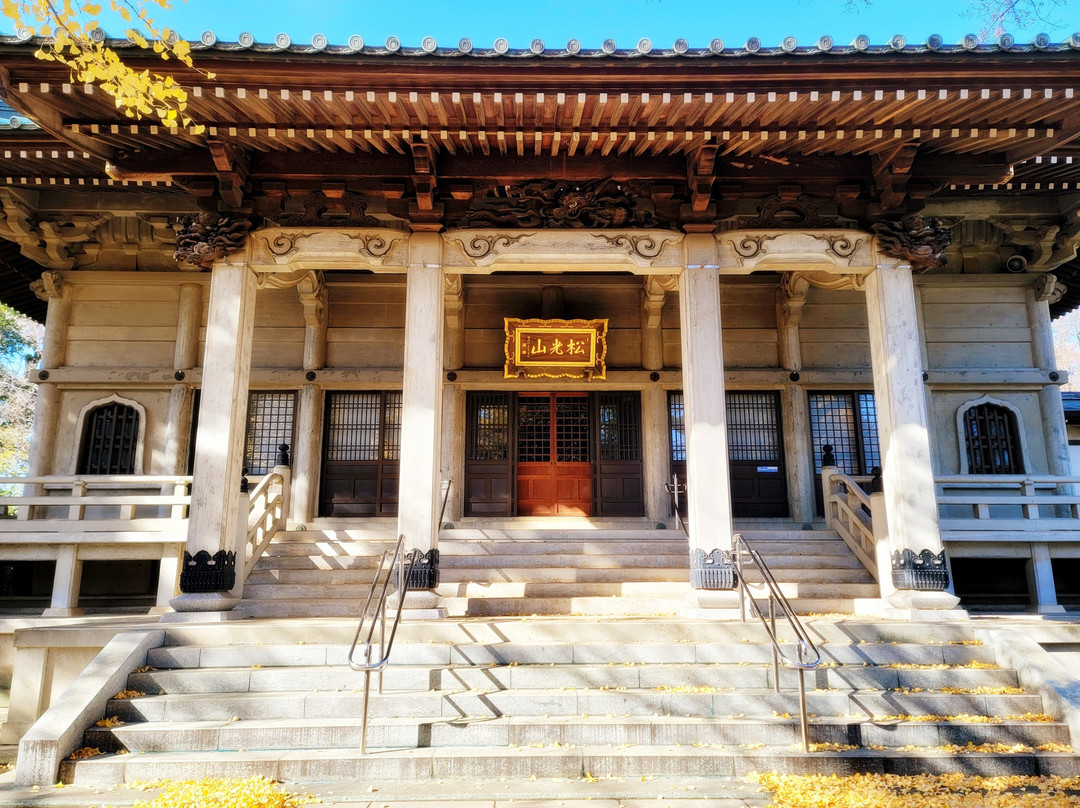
column 643, row 48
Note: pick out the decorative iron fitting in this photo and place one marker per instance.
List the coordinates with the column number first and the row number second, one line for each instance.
column 208, row 573
column 923, row 572
column 282, row 458
column 205, row 237
column 827, row 456
column 713, row 571
column 425, row 572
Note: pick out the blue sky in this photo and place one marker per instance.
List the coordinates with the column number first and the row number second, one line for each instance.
column 625, row 21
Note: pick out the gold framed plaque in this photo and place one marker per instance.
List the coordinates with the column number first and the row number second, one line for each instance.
column 555, row 349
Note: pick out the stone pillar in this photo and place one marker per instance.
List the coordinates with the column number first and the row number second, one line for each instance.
column 1055, row 434
column 798, row 454
column 306, row 456
column 209, row 559
column 919, row 570
column 1053, row 414
column 421, row 416
column 454, row 338
column 707, row 477
column 67, row 581
column 656, row 455
column 185, row 357
column 51, row 288
column 653, row 293
column 794, row 406
column 452, row 461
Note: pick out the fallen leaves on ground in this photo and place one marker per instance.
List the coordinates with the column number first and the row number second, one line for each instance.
column 921, row 791
column 224, row 792
column 128, row 694
column 85, row 752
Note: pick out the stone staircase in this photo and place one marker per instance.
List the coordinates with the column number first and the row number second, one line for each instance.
column 494, row 700
column 527, row 567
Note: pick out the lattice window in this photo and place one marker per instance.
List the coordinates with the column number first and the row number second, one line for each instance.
column 534, row 429
column 110, row 440
column 363, row 426
column 620, row 426
column 847, row 422
column 488, row 437
column 753, row 427
column 992, row 440
column 270, row 419
column 677, row 426
column 572, row 429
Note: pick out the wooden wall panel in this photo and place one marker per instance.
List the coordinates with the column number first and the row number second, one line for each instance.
column 132, row 325
column 833, row 330
column 969, row 326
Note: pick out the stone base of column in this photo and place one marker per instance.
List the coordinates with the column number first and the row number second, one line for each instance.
column 1050, row 608
column 62, row 612
column 420, row 604
column 202, row 603
column 712, row 604
column 905, row 604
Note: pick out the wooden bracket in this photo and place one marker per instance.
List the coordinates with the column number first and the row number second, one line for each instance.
column 232, row 165
column 892, row 169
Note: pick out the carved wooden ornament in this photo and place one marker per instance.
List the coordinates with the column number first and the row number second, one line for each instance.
column 556, row 349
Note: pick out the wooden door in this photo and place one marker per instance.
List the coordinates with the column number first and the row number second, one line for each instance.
column 554, row 468
column 360, row 454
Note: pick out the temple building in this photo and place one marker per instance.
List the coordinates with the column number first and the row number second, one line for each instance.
column 595, row 331
column 547, row 283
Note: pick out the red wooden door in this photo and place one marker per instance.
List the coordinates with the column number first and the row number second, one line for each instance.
column 554, row 470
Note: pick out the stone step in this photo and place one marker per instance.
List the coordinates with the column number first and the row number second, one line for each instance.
column 474, row 705
column 471, row 763
column 248, row 679
column 581, row 630
column 364, row 576
column 564, row 653
column 345, row 733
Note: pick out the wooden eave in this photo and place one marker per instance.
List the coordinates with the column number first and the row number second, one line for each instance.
column 1003, row 107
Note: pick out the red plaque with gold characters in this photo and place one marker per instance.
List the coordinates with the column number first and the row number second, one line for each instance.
column 555, row 349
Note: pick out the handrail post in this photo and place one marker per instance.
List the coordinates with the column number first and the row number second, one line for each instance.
column 775, row 650
column 243, row 516
column 744, row 591
column 76, row 512
column 803, row 723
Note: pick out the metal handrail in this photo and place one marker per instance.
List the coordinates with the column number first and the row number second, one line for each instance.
column 804, row 645
column 674, row 488
column 382, row 584
column 445, row 496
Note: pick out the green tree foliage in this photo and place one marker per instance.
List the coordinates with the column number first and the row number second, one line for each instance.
column 20, row 338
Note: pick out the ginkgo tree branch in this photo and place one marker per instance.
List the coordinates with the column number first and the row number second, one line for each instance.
column 72, row 38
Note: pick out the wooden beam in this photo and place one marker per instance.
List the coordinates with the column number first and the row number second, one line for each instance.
column 49, row 119
column 1068, row 131
column 892, row 168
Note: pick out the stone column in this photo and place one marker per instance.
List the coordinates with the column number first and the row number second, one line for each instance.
column 309, row 411
column 707, row 476
column 452, row 461
column 1045, row 291
column 210, row 556
column 1042, row 342
column 919, row 570
column 50, row 288
column 794, row 406
column 185, row 357
column 657, row 453
column 421, row 416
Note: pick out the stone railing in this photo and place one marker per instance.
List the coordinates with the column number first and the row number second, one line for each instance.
column 852, row 513
column 1008, row 507
column 91, row 506
column 69, row 519
column 268, row 507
